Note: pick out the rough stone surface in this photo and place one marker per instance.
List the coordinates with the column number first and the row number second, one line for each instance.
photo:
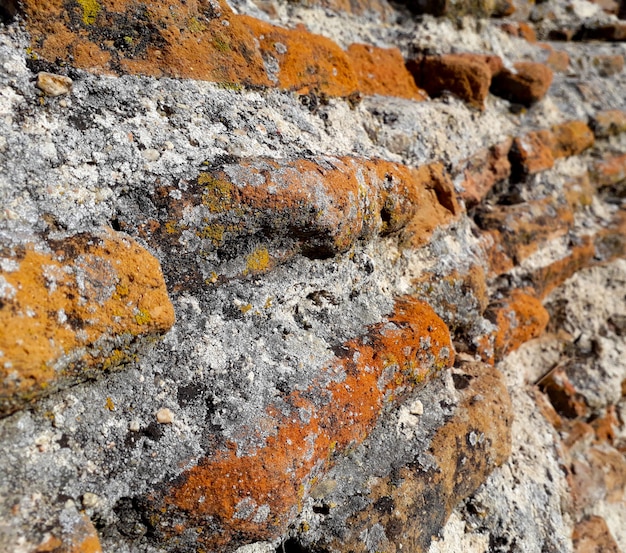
column 261, row 292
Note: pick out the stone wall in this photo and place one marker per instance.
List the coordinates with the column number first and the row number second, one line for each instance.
column 312, row 276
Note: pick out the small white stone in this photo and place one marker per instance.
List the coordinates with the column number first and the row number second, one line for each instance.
column 53, row 85
column 417, row 408
column 151, row 154
column 164, row 416
column 90, row 500
column 133, row 425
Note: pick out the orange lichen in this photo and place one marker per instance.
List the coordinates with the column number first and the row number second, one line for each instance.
column 88, row 291
column 382, row 71
column 519, row 318
column 413, row 345
column 571, row 139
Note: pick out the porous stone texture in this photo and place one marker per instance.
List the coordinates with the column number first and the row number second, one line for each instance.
column 309, row 277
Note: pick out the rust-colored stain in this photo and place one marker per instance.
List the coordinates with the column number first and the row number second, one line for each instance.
column 63, row 300
column 255, row 495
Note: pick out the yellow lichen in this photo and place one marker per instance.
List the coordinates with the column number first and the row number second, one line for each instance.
column 109, row 404
column 217, row 194
column 195, row 26
column 171, row 227
column 245, row 308
column 142, row 317
column 90, row 11
column 258, row 260
column 215, row 233
column 121, row 291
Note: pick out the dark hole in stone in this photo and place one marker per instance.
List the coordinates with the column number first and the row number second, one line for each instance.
column 321, row 509
column 187, row 394
column 384, row 505
column 131, row 523
column 115, row 224
column 461, row 381
column 8, row 10
column 292, row 546
column 385, row 216
column 153, row 431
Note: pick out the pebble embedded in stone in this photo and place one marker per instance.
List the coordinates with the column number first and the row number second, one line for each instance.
column 164, row 416
column 53, row 85
column 90, row 500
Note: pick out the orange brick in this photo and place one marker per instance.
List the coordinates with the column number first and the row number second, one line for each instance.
column 557, row 60
column 592, row 534
column 436, row 201
column 468, row 76
column 525, row 227
column 485, row 414
column 528, row 84
column 189, row 40
column 608, row 123
column 75, row 310
column 232, row 499
column 306, row 62
column 550, row 277
column 571, row 139
column 532, row 153
column 609, row 171
column 519, row 318
column 483, row 170
column 320, row 206
column 382, row 71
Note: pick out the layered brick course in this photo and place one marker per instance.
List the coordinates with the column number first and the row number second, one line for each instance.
column 75, row 307
column 85, row 304
column 232, row 498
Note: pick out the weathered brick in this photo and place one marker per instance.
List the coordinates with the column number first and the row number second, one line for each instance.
column 72, row 308
column 611, row 32
column 382, row 71
column 527, row 84
column 525, row 227
column 557, row 60
column 80, row 537
column 355, row 7
column 609, row 170
column 597, row 472
column 592, row 534
column 304, row 61
column 199, row 40
column 229, row 499
column 318, row 207
column 520, row 29
column 436, row 201
column 478, row 433
column 483, row 170
column 519, row 317
column 477, row 8
column 531, row 153
column 571, row 138
column 468, row 76
column 563, row 395
column 548, row 278
column 608, row 123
